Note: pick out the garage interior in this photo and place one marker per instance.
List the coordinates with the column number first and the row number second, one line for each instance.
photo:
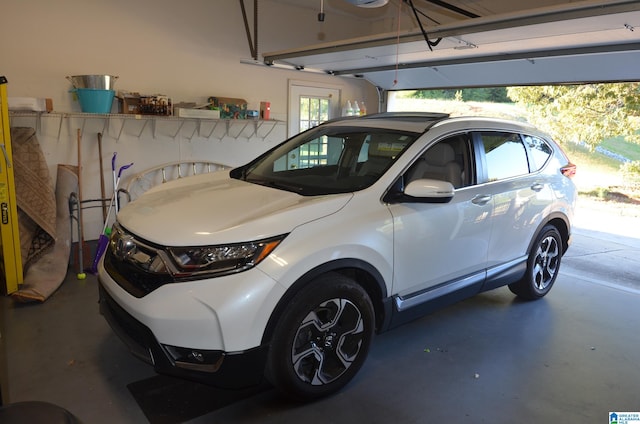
column 571, row 357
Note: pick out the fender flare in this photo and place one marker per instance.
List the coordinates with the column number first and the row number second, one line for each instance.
column 369, row 277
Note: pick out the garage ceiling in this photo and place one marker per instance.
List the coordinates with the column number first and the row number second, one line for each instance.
column 587, row 41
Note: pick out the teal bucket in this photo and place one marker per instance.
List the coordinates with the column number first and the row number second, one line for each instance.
column 95, row 101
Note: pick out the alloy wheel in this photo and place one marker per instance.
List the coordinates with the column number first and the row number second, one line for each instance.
column 327, row 341
column 546, row 262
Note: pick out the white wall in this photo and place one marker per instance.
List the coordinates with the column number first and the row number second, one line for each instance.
column 187, row 49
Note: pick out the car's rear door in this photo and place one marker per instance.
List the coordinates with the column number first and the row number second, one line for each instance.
column 508, row 173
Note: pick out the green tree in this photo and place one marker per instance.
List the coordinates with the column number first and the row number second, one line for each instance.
column 586, row 113
column 434, row 94
column 487, row 94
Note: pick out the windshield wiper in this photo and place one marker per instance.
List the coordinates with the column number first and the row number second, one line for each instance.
column 276, row 184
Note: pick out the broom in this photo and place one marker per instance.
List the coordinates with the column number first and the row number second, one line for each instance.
column 81, row 244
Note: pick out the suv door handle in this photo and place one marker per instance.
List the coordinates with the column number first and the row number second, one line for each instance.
column 537, row 187
column 481, row 199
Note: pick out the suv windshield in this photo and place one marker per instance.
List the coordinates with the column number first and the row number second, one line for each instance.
column 328, row 160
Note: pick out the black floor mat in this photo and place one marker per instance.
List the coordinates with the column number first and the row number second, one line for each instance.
column 168, row 400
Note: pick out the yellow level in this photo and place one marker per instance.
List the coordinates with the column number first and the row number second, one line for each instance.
column 9, row 237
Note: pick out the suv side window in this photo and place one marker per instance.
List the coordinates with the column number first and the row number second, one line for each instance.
column 506, row 155
column 447, row 160
column 539, row 152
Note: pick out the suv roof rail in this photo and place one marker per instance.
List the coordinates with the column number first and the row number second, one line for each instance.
column 408, row 116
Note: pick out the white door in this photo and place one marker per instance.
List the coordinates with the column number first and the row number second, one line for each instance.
column 311, row 105
column 520, row 194
column 436, row 243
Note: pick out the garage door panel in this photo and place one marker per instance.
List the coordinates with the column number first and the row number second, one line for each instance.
column 585, row 42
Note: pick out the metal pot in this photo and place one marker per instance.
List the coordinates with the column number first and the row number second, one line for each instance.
column 97, row 82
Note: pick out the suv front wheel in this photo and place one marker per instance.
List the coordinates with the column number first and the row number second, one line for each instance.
column 542, row 266
column 322, row 338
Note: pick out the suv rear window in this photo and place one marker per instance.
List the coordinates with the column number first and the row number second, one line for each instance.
column 539, row 152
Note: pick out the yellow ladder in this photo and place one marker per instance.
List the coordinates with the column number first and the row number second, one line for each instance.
column 9, row 237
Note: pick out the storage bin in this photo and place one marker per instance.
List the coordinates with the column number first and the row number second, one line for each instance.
column 95, row 101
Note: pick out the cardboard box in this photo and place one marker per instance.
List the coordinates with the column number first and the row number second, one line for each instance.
column 229, row 107
column 157, row 104
column 197, row 113
column 31, row 104
column 128, row 102
column 139, row 104
column 186, row 105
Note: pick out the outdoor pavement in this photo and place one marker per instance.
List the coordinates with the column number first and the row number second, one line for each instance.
column 606, row 246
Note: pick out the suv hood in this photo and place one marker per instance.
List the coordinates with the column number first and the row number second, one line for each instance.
column 215, row 209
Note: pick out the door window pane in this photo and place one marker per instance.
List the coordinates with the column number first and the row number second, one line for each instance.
column 448, row 160
column 505, row 154
column 313, row 111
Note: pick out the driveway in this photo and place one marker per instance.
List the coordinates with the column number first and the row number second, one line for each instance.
column 606, row 245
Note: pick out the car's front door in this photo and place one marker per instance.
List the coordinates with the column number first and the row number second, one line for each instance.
column 438, row 243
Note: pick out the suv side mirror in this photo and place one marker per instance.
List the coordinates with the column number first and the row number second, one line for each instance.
column 428, row 191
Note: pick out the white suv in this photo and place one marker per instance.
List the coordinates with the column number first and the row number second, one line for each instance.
column 287, row 266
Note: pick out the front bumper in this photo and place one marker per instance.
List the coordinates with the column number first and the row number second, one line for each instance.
column 213, row 367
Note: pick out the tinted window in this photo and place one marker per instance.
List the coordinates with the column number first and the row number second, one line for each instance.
column 506, row 155
column 539, row 152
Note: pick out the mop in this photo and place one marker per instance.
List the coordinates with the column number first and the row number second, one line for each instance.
column 103, row 240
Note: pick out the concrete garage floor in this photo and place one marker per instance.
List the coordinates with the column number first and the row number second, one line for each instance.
column 572, row 357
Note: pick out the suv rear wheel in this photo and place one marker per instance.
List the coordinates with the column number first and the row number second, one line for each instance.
column 322, row 339
column 542, row 266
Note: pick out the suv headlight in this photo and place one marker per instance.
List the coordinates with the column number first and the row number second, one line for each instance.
column 199, row 260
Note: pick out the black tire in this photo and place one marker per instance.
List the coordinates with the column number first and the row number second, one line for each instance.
column 543, row 266
column 322, row 338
